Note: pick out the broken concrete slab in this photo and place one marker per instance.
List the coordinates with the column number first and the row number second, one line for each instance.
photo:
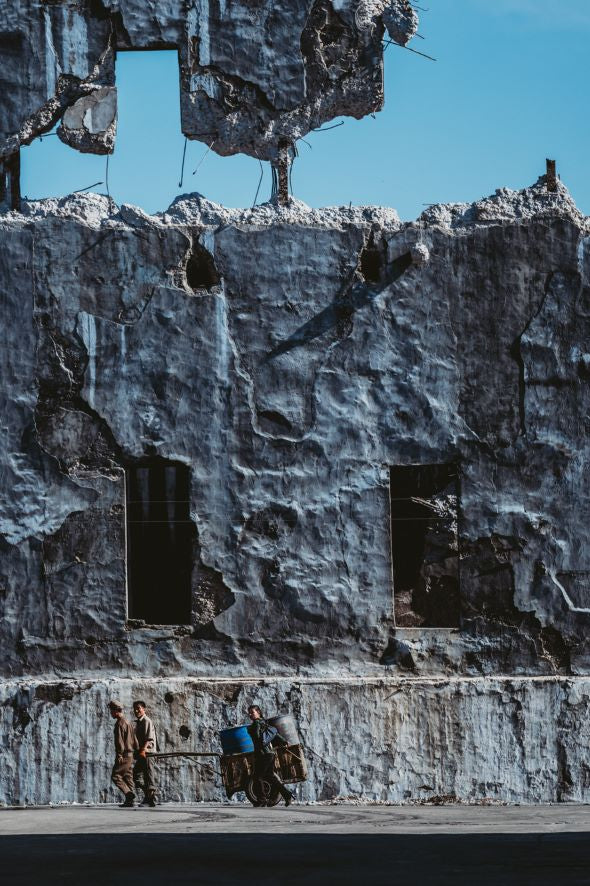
column 51, row 54
column 90, row 124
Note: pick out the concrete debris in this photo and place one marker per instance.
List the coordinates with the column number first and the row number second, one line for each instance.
column 399, row 17
column 506, row 205
column 51, row 54
column 401, row 21
column 420, row 254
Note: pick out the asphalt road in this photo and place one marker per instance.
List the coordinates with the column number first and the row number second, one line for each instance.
column 511, row 846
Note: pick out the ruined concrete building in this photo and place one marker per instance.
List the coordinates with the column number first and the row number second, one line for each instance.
column 317, row 458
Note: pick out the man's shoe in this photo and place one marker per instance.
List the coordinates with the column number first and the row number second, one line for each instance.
column 152, row 802
column 289, row 797
column 129, row 801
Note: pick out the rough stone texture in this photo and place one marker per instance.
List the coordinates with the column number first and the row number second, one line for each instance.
column 426, row 741
column 252, row 74
column 289, row 357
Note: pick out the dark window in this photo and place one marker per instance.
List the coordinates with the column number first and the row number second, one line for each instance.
column 424, row 545
column 159, row 543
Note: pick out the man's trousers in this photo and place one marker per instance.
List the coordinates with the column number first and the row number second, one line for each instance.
column 122, row 774
column 143, row 776
column 264, row 769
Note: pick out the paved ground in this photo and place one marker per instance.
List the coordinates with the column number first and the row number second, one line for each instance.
column 234, row 844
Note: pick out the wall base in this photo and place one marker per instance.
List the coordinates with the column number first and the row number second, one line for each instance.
column 507, row 740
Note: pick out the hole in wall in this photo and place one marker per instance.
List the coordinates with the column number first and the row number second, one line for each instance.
column 273, row 422
column 145, row 168
column 371, row 261
column 184, row 732
column 201, row 272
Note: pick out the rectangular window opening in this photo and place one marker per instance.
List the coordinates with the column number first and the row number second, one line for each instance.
column 159, row 543
column 424, row 545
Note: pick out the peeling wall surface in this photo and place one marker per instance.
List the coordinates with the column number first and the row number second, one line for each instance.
column 315, row 380
column 289, row 357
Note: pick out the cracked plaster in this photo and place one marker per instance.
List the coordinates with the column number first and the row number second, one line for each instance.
column 288, row 384
column 527, row 740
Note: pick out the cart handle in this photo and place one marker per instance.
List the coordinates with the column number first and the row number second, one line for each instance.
column 185, row 754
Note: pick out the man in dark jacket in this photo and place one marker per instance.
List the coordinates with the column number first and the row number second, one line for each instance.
column 262, row 736
column 125, row 745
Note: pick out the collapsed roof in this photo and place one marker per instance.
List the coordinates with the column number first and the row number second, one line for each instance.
column 255, row 75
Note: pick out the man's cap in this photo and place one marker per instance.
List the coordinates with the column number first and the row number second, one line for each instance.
column 115, row 705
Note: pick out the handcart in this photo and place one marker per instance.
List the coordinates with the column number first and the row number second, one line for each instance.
column 237, row 763
column 237, row 772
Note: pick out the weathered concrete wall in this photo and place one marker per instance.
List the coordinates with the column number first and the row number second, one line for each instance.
column 253, row 73
column 290, row 360
column 288, row 384
column 289, row 357
column 474, row 740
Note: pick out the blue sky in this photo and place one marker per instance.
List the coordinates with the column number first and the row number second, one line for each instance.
column 509, row 88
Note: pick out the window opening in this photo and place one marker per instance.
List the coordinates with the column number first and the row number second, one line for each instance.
column 424, row 545
column 145, row 168
column 159, row 543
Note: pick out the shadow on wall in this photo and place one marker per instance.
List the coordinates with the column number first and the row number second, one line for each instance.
column 145, row 168
column 225, row 859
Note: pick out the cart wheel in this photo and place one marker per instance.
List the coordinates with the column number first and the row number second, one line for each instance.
column 261, row 792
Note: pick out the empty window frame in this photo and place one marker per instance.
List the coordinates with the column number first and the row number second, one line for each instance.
column 159, row 543
column 424, row 545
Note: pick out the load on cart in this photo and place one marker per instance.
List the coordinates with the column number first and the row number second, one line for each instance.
column 239, row 769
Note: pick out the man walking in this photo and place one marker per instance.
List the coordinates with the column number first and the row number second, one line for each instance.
column 125, row 745
column 146, row 742
column 262, row 736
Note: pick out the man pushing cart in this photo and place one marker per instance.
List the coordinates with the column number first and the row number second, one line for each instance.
column 259, row 758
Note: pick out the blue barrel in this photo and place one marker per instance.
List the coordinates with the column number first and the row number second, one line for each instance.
column 286, row 726
column 236, row 740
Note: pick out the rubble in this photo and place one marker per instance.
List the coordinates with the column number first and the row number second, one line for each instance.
column 89, row 125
